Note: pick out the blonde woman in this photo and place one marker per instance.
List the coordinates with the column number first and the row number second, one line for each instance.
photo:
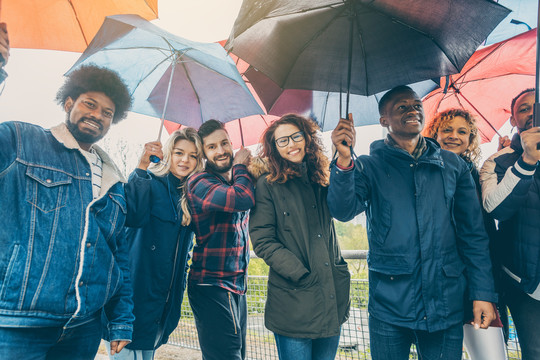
column 456, row 131
column 159, row 238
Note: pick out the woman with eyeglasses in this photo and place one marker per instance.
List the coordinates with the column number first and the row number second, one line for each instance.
column 292, row 230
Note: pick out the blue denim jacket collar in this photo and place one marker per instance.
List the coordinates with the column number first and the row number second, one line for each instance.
column 111, row 173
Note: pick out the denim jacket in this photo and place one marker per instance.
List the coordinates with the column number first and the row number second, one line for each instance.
column 64, row 254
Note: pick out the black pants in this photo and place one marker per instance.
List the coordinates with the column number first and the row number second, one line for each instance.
column 526, row 315
column 221, row 320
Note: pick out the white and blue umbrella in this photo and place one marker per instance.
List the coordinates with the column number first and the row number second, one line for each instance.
column 170, row 77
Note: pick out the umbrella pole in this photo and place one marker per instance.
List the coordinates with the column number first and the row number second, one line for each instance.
column 241, row 133
column 351, row 32
column 536, row 107
column 154, row 158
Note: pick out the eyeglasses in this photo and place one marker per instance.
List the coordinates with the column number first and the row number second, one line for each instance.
column 284, row 140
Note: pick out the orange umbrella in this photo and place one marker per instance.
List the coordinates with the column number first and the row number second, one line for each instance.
column 67, row 25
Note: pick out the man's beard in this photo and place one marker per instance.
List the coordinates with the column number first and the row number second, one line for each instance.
column 213, row 167
column 80, row 136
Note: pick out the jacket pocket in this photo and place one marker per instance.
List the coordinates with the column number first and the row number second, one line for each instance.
column 8, row 272
column 164, row 213
column 391, row 291
column 46, row 189
column 379, row 222
column 453, row 286
column 342, row 285
column 295, row 308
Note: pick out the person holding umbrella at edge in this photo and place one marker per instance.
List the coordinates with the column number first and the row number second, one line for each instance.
column 511, row 194
column 425, row 233
column 4, row 50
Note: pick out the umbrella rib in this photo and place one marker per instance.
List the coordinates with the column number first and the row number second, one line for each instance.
column 363, row 51
column 193, row 87
column 151, row 71
column 462, row 74
column 78, row 22
column 463, row 83
column 479, row 113
column 173, row 53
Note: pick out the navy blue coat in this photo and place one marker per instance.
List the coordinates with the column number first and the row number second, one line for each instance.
column 158, row 257
column 425, row 230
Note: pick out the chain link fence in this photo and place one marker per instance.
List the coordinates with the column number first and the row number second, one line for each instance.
column 353, row 343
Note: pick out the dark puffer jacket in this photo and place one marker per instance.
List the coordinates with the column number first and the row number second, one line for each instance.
column 511, row 194
column 308, row 285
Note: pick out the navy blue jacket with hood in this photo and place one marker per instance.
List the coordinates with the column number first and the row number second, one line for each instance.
column 425, row 230
column 159, row 251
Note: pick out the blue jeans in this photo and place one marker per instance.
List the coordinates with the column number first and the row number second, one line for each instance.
column 390, row 342
column 290, row 348
column 128, row 354
column 52, row 343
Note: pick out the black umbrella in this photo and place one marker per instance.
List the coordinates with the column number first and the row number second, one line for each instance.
column 360, row 46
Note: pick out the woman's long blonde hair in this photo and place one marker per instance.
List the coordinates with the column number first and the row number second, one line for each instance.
column 442, row 119
column 163, row 168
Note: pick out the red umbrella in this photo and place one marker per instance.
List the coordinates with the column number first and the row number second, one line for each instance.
column 488, row 82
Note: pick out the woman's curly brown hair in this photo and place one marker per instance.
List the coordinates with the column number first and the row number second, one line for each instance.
column 282, row 170
column 442, row 119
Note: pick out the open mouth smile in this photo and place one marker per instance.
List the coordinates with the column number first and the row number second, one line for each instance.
column 92, row 124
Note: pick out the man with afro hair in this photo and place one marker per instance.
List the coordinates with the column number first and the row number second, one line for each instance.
column 64, row 255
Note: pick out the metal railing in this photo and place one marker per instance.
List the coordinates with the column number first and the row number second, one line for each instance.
column 354, row 340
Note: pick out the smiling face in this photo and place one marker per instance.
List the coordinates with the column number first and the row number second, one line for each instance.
column 522, row 112
column 218, row 151
column 183, row 158
column 294, row 151
column 404, row 115
column 455, row 135
column 89, row 117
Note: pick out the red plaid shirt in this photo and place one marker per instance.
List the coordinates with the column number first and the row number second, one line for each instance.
column 219, row 213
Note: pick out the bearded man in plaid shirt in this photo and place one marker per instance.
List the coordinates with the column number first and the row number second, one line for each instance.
column 219, row 199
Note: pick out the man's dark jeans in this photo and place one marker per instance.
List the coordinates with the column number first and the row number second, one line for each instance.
column 390, row 342
column 525, row 313
column 52, row 343
column 221, row 320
